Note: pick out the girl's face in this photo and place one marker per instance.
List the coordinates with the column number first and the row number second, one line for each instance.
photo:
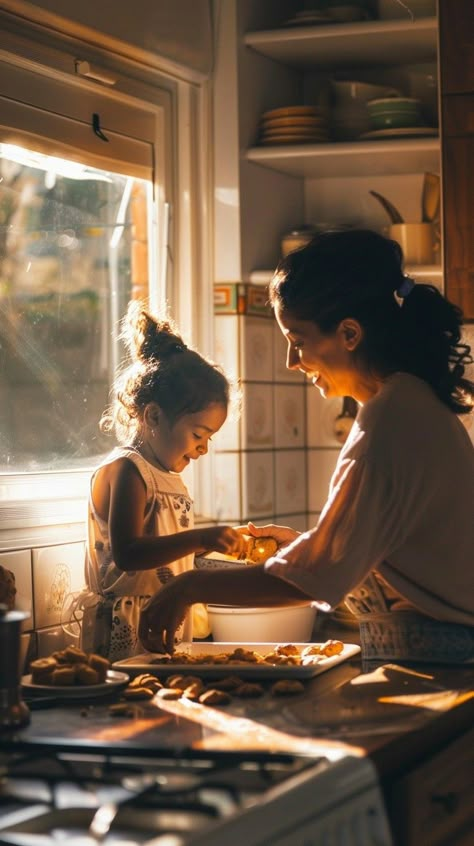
column 174, row 445
column 327, row 360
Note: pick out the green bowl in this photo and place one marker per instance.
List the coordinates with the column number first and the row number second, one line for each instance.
column 394, row 112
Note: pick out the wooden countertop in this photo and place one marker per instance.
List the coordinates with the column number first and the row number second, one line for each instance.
column 395, row 714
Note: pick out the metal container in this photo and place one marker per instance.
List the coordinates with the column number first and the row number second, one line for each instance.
column 13, row 711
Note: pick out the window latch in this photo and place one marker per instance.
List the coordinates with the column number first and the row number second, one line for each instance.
column 96, row 127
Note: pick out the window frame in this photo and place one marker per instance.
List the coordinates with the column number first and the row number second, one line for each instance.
column 34, row 505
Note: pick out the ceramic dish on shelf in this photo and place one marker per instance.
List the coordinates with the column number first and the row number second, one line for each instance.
column 294, row 121
column 295, row 139
column 401, row 132
column 293, row 111
column 294, row 130
column 288, row 136
column 114, row 681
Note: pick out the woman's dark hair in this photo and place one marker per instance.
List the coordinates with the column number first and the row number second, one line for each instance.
column 162, row 370
column 407, row 327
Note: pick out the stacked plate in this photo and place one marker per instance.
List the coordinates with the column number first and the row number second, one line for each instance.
column 294, row 125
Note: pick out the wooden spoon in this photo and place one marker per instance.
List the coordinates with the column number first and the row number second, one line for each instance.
column 393, row 213
column 430, row 198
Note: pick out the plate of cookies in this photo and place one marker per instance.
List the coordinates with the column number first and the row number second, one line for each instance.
column 250, row 660
column 72, row 673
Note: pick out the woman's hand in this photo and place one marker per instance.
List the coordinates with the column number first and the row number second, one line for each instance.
column 162, row 614
column 283, row 535
column 223, row 539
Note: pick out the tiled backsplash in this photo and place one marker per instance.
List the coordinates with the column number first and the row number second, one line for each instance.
column 44, row 578
column 265, row 461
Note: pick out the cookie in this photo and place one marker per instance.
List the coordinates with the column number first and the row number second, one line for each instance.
column 64, row 676
column 136, row 694
column 85, row 674
column 332, row 647
column 287, row 687
column 42, row 670
column 215, row 697
column 249, row 690
column 170, row 693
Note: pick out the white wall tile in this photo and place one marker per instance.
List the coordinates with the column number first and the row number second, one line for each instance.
column 290, row 481
column 321, row 465
column 19, row 563
column 228, row 487
column 321, row 415
column 256, row 349
column 299, row 522
column 289, row 415
column 226, row 343
column 312, row 520
column 50, row 640
column 280, row 370
column 258, row 485
column 257, row 416
column 229, row 435
column 57, row 571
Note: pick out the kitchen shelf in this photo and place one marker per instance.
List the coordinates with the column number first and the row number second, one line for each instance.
column 359, row 158
column 343, row 45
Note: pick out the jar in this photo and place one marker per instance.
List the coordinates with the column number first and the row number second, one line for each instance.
column 297, row 238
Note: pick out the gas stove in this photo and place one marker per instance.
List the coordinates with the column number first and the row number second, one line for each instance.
column 67, row 795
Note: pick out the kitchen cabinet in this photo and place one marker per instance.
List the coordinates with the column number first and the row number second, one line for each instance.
column 457, row 115
column 433, row 803
column 331, row 181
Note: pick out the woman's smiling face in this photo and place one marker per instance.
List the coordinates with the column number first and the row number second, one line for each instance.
column 327, row 360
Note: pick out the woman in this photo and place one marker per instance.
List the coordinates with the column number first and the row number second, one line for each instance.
column 396, row 536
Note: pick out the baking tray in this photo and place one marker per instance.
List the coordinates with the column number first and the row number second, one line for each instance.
column 144, row 663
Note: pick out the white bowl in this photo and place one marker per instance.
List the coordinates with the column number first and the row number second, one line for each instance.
column 235, row 624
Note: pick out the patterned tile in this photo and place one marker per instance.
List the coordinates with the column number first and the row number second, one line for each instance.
column 257, row 416
column 289, row 415
column 290, row 481
column 257, row 485
column 228, row 487
column 57, row 571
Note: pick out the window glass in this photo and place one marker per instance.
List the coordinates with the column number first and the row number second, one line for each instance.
column 73, row 252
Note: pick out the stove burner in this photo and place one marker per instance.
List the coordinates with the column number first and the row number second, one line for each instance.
column 82, row 799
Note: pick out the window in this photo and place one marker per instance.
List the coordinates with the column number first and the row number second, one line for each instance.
column 89, row 175
column 74, row 251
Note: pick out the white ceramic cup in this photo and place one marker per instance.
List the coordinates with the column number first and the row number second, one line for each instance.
column 417, row 241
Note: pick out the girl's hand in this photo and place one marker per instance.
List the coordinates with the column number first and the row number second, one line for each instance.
column 162, row 615
column 223, row 539
column 283, row 535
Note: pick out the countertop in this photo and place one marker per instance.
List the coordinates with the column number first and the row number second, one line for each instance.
column 414, row 722
column 396, row 714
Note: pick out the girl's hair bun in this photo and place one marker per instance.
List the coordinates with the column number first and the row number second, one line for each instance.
column 147, row 337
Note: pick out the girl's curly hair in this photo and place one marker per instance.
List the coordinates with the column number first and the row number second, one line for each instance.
column 160, row 369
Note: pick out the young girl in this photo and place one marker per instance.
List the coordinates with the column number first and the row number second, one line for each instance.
column 167, row 405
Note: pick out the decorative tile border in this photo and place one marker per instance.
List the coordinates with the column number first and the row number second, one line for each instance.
column 241, row 298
